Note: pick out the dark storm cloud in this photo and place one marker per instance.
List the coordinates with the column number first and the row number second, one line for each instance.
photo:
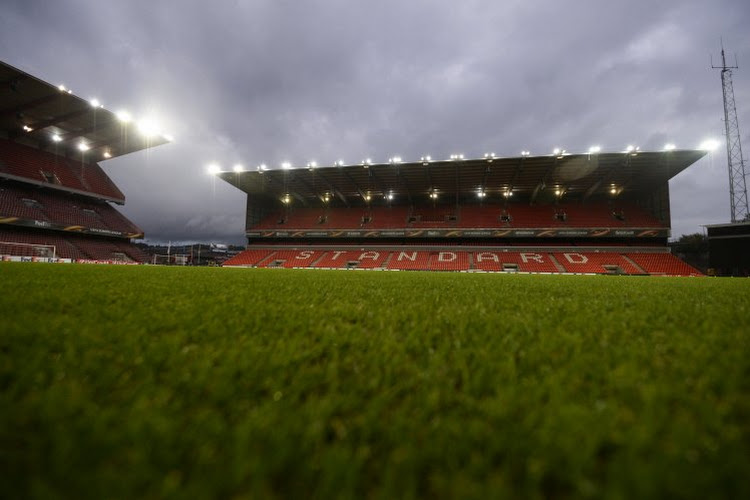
column 268, row 81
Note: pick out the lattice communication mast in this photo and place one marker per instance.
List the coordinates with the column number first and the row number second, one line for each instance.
column 735, row 161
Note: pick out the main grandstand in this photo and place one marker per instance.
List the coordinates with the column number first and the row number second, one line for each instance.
column 56, row 203
column 596, row 212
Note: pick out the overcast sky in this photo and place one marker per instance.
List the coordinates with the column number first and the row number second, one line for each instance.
column 267, row 81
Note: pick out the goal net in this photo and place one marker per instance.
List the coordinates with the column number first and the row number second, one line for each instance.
column 170, row 260
column 15, row 249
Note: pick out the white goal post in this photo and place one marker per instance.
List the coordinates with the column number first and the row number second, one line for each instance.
column 16, row 249
column 175, row 259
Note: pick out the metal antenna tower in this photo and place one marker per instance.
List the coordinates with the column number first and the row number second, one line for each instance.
column 735, row 161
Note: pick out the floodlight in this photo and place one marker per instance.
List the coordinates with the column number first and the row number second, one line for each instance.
column 457, row 157
column 82, row 146
column 508, row 193
column 286, row 165
column 238, row 168
column 148, row 127
column 481, row 194
column 56, row 138
column 525, row 153
column 426, row 158
column 594, row 149
column 709, row 145
column 389, row 196
column 26, row 128
column 339, row 163
column 214, row 169
column 286, row 199
column 312, row 164
column 669, row 147
column 95, row 103
column 367, row 197
column 70, row 91
column 168, row 137
column 613, row 190
column 395, row 159
column 263, row 166
column 556, row 151
column 61, row 87
column 123, row 116
column 630, row 148
column 107, row 154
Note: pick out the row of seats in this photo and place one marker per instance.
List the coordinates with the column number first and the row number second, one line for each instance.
column 19, row 241
column 595, row 214
column 42, row 166
column 27, row 202
column 453, row 260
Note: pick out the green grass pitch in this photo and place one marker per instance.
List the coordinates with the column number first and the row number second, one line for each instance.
column 143, row 382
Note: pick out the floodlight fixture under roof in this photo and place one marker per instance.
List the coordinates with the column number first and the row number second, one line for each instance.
column 213, row 169
column 107, row 154
column 286, row 165
column 83, row 147
column 124, row 116
column 95, row 103
column 525, row 153
column 595, row 149
column 669, row 147
column 238, row 168
column 56, row 138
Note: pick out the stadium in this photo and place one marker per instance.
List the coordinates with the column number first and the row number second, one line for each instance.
column 559, row 213
column 526, row 354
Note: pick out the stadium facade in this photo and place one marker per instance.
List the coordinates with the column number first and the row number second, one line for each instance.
column 56, row 203
column 596, row 212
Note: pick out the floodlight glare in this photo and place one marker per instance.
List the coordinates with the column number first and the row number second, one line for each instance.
column 123, row 116
column 481, row 194
column 613, row 190
column 286, row 165
column 630, row 149
column 709, row 145
column 148, row 127
column 367, row 197
column 389, row 196
column 525, row 153
column 56, row 138
column 339, row 163
column 669, row 147
column 107, row 154
column 263, row 166
column 82, row 146
column 213, row 169
column 168, row 137
column 238, row 168
column 556, row 151
column 594, row 149
column 95, row 103
column 61, row 87
column 26, row 128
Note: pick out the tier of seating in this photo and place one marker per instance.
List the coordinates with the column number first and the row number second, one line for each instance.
column 29, row 202
column 19, row 241
column 41, row 166
column 595, row 214
column 451, row 259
